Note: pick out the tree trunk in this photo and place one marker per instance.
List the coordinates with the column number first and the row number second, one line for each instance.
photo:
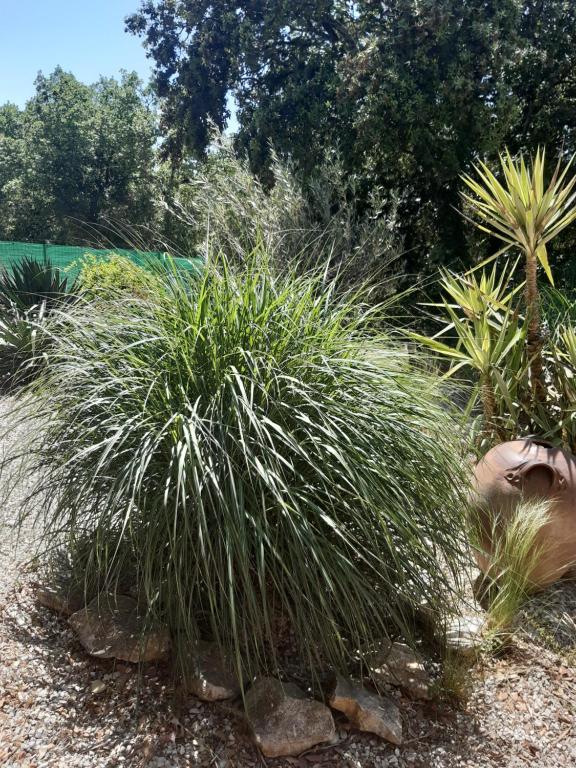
column 533, row 335
column 492, row 428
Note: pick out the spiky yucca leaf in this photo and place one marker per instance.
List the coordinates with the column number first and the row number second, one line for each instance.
column 485, row 334
column 262, row 454
column 522, row 211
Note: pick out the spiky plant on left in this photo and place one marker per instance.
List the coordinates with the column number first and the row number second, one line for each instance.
column 29, row 291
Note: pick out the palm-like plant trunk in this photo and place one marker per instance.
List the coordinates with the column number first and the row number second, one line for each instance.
column 492, row 429
column 533, row 335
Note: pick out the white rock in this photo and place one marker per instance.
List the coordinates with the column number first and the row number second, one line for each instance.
column 464, row 634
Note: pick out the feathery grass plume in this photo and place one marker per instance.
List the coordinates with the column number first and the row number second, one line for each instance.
column 514, row 555
column 257, row 452
column 322, row 222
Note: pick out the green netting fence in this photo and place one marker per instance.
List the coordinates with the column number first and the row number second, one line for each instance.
column 69, row 258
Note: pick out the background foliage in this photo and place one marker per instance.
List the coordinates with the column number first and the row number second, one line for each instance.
column 75, row 156
column 388, row 103
column 409, row 92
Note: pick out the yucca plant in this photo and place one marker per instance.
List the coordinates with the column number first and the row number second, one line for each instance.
column 262, row 453
column 483, row 332
column 526, row 213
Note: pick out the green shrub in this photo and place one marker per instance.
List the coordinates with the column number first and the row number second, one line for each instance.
column 114, row 276
column 264, row 456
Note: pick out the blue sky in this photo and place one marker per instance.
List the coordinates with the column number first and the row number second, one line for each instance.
column 85, row 37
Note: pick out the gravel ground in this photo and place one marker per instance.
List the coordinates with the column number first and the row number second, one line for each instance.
column 59, row 707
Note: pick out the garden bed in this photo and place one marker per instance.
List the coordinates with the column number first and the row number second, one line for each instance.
column 60, row 707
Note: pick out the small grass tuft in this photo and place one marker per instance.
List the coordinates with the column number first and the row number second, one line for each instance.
column 514, row 557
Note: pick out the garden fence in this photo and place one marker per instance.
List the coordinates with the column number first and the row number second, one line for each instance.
column 69, row 258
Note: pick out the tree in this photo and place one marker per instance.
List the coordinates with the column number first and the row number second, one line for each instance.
column 278, row 57
column 428, row 97
column 11, row 164
column 411, row 92
column 80, row 155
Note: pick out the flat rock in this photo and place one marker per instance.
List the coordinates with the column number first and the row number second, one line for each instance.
column 211, row 676
column 397, row 664
column 61, row 598
column 284, row 721
column 366, row 710
column 112, row 627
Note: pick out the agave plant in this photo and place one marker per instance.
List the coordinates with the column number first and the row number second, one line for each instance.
column 259, row 450
column 21, row 343
column 29, row 291
column 31, row 282
column 525, row 212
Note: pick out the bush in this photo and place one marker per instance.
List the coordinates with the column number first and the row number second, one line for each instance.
column 113, row 277
column 265, row 458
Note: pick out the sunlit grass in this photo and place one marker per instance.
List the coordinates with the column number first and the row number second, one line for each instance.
column 514, row 555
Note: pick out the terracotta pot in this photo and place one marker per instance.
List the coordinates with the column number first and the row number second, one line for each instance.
column 530, row 469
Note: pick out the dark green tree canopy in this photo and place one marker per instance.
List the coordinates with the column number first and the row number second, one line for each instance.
column 74, row 156
column 409, row 91
column 278, row 57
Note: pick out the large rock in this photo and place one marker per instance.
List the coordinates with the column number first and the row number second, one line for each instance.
column 113, row 627
column 367, row 711
column 210, row 677
column 397, row 664
column 284, row 721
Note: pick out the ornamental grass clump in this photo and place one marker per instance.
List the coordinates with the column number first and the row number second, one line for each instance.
column 260, row 455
